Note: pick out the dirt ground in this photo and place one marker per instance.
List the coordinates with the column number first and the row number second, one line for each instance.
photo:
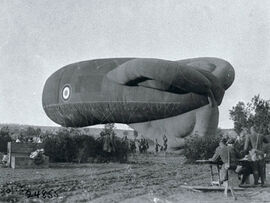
column 146, row 178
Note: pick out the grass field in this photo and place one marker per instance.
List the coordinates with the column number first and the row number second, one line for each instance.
column 146, row 178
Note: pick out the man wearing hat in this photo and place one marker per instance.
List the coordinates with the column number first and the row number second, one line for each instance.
column 228, row 156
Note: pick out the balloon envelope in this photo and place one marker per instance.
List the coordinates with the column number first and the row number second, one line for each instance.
column 128, row 90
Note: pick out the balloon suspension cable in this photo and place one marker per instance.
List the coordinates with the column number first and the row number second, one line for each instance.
column 211, row 99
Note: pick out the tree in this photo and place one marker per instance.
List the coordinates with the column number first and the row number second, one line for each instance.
column 197, row 147
column 239, row 115
column 4, row 138
column 62, row 146
column 27, row 134
column 255, row 113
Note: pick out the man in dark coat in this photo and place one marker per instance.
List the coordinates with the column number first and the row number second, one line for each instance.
column 245, row 168
column 165, row 140
column 254, row 141
column 240, row 142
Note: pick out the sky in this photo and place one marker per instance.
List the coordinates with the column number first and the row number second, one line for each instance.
column 39, row 37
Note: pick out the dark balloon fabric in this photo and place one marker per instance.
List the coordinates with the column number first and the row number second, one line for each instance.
column 133, row 90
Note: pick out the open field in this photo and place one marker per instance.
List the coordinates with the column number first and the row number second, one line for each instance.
column 146, row 178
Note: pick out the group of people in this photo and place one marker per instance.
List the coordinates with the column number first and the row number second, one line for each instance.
column 35, row 139
column 109, row 144
column 143, row 145
column 248, row 148
column 161, row 147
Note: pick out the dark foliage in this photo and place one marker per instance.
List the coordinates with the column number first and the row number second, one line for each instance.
column 55, row 148
column 26, row 135
column 197, row 147
column 69, row 145
column 255, row 113
column 86, row 147
column 4, row 139
column 64, row 145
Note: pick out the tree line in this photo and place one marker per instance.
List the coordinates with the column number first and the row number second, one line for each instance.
column 69, row 144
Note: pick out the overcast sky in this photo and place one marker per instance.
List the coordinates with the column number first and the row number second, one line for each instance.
column 39, row 37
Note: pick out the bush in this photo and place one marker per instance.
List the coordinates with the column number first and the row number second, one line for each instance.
column 69, row 145
column 85, row 147
column 200, row 147
column 27, row 135
column 61, row 147
column 122, row 150
column 54, row 147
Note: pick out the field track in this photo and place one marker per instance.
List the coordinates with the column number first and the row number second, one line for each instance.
column 146, row 178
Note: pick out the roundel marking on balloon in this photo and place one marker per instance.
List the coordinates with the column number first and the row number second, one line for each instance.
column 66, row 92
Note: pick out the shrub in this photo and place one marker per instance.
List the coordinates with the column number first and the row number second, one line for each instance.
column 86, row 147
column 122, row 150
column 200, row 147
column 61, row 147
column 26, row 135
column 54, row 148
column 69, row 145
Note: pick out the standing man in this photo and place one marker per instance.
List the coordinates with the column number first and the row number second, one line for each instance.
column 157, row 145
column 165, row 140
column 132, row 146
column 253, row 147
column 239, row 144
column 228, row 156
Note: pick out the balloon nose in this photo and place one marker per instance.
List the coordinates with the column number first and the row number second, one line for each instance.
column 50, row 93
column 229, row 78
